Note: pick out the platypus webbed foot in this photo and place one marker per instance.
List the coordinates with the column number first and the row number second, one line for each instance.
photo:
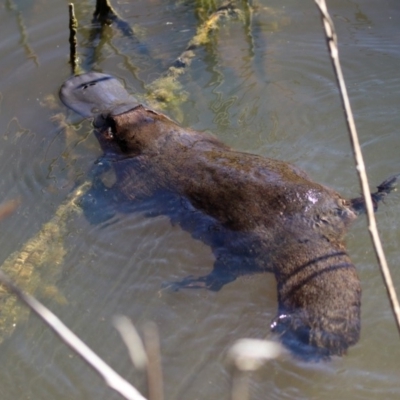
column 387, row 186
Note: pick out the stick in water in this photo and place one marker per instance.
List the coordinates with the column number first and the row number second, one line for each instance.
column 113, row 380
column 333, row 49
column 73, row 26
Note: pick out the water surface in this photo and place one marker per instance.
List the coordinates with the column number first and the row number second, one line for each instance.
column 264, row 86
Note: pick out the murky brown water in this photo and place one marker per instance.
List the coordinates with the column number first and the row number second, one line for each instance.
column 265, row 87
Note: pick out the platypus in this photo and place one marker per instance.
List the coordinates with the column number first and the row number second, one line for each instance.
column 257, row 214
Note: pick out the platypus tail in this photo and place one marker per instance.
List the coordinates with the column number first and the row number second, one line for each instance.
column 387, row 186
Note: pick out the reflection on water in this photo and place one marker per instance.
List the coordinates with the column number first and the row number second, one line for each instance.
column 263, row 85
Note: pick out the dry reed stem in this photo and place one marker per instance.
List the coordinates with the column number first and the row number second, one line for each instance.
column 246, row 356
column 154, row 368
column 113, row 380
column 132, row 340
column 240, row 385
column 333, row 49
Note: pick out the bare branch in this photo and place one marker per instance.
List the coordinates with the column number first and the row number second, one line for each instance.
column 333, row 48
column 106, row 15
column 73, row 26
column 132, row 341
column 145, row 355
column 113, row 380
column 154, row 370
column 246, row 356
column 104, row 12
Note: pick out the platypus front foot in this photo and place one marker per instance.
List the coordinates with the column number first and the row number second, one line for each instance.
column 211, row 281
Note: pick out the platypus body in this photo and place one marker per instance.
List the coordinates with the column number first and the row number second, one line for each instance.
column 257, row 214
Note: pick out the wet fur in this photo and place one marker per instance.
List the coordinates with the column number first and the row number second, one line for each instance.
column 257, row 214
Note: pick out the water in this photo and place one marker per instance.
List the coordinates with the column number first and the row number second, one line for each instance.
column 265, row 87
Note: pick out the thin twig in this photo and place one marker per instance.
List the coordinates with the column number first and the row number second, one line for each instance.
column 333, row 48
column 132, row 341
column 106, row 15
column 154, row 369
column 240, row 385
column 145, row 355
column 112, row 379
column 246, row 356
column 73, row 26
column 103, row 16
column 104, row 12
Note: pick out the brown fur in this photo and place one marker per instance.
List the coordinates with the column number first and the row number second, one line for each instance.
column 256, row 213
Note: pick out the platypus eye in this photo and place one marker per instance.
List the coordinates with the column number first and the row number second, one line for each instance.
column 108, row 133
column 109, row 129
column 105, row 124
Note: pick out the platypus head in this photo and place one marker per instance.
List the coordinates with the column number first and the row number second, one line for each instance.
column 100, row 97
column 118, row 118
